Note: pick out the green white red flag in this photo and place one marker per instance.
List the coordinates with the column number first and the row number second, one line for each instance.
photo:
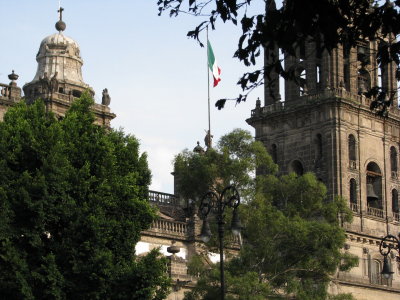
column 212, row 64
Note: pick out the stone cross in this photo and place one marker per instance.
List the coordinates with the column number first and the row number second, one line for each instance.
column 60, row 11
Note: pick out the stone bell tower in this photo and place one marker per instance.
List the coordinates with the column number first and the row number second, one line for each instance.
column 58, row 78
column 324, row 125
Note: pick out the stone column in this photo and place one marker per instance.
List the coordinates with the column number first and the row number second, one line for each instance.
column 271, row 77
column 292, row 90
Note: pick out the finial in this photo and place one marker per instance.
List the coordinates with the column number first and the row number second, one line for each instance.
column 13, row 76
column 258, row 103
column 60, row 25
column 198, row 148
column 173, row 249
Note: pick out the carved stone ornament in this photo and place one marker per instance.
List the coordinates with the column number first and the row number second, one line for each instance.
column 106, row 99
column 208, row 139
column 45, row 83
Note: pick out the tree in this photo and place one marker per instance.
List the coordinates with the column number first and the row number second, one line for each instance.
column 73, row 204
column 233, row 161
column 292, row 238
column 328, row 22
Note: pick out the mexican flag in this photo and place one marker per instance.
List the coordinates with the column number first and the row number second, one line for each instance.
column 212, row 64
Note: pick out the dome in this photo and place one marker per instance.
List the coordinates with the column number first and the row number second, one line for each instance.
column 61, row 54
column 59, row 59
column 59, row 43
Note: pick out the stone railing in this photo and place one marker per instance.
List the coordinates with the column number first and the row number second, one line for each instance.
column 307, row 99
column 163, row 198
column 169, row 227
column 375, row 212
column 10, row 91
column 353, row 164
column 5, row 90
column 355, row 207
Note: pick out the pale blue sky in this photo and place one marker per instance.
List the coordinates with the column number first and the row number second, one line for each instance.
column 156, row 76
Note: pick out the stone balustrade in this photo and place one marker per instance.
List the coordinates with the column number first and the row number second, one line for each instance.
column 375, row 212
column 10, row 92
column 5, row 90
column 355, row 207
column 163, row 198
column 169, row 227
column 307, row 99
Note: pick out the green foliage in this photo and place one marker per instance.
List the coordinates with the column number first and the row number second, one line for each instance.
column 73, row 204
column 292, row 236
column 234, row 160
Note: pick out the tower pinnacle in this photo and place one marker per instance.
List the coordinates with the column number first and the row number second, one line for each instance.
column 60, row 25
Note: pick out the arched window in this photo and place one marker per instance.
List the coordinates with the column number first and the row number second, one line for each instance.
column 274, row 153
column 375, row 267
column 346, row 66
column 393, row 161
column 353, row 195
column 352, row 152
column 302, row 81
column 375, row 272
column 374, row 190
column 364, row 81
column 395, row 204
column 318, row 146
column 318, row 72
column 296, row 167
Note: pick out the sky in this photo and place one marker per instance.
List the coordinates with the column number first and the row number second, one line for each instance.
column 155, row 75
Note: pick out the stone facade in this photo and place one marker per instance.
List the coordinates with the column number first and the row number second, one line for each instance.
column 58, row 80
column 325, row 126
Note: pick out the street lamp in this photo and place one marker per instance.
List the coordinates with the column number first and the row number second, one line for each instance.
column 388, row 243
column 217, row 203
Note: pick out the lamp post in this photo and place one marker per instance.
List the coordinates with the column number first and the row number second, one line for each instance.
column 388, row 243
column 217, row 203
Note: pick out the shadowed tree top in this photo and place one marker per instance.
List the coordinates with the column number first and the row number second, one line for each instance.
column 333, row 22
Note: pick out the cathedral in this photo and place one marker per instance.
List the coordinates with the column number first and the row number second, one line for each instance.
column 324, row 126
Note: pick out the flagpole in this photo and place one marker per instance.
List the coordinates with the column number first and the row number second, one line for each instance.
column 208, row 92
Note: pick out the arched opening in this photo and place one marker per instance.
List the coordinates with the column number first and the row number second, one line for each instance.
column 76, row 93
column 353, row 195
column 352, row 152
column 395, row 205
column 346, row 66
column 393, row 161
column 274, row 153
column 374, row 190
column 318, row 146
column 364, row 81
column 363, row 54
column 296, row 167
column 375, row 269
column 318, row 72
column 302, row 81
column 375, row 272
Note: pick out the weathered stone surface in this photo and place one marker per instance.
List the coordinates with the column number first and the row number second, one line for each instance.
column 311, row 133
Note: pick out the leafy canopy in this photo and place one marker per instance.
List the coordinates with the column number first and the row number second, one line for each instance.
column 327, row 22
column 292, row 238
column 73, row 201
column 233, row 161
